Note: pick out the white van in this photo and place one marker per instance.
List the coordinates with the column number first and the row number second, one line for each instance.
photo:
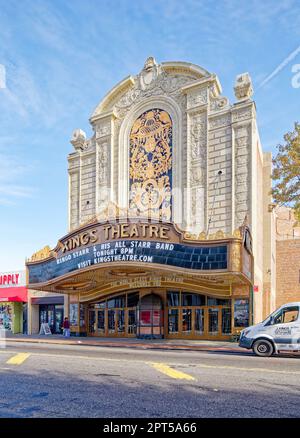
column 280, row 332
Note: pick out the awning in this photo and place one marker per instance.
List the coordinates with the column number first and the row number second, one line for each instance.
column 13, row 294
column 48, row 300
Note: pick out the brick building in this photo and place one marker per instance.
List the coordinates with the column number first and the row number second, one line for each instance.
column 287, row 256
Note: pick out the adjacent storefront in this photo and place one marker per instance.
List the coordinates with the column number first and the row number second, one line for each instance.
column 47, row 308
column 13, row 301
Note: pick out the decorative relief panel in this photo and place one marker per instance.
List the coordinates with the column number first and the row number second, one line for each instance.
column 219, row 103
column 197, row 98
column 240, row 115
column 103, row 129
column 150, row 165
column 152, row 81
column 242, row 173
column 219, row 122
column 103, row 164
column 197, row 151
column 74, row 199
column 198, row 135
column 103, row 173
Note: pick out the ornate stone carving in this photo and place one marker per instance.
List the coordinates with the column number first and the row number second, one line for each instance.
column 78, row 139
column 103, row 163
column 197, row 176
column 42, row 254
column 243, row 87
column 219, row 122
column 197, row 98
column 149, row 73
column 242, row 173
column 220, row 234
column 103, row 129
column 238, row 116
column 235, row 249
column 219, row 103
column 202, row 235
column 198, row 136
column 152, row 81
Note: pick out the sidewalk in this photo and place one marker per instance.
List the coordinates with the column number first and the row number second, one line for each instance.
column 161, row 344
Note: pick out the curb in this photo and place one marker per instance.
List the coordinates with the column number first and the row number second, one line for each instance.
column 129, row 345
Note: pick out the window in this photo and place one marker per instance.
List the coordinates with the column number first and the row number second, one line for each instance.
column 133, row 299
column 173, row 299
column 289, row 314
column 189, row 299
column 116, row 302
column 150, row 164
column 173, row 321
column 218, row 302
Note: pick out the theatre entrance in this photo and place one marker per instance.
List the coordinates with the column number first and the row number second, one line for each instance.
column 162, row 314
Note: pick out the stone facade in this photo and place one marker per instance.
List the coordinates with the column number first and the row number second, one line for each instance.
column 217, row 167
column 213, row 145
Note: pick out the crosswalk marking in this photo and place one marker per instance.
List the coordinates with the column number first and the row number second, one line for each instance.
column 18, row 359
column 171, row 372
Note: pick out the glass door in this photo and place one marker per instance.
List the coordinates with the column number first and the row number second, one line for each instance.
column 131, row 322
column 51, row 320
column 226, row 321
column 213, row 321
column 199, row 322
column 173, row 322
column 101, row 322
column 120, row 322
column 187, row 321
column 92, row 322
column 111, row 316
column 59, row 316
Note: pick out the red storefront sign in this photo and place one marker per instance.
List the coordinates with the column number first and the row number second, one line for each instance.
column 13, row 287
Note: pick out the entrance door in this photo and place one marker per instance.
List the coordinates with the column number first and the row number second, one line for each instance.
column 101, row 322
column 205, row 322
column 92, row 322
column 59, row 316
column 112, row 322
column 150, row 319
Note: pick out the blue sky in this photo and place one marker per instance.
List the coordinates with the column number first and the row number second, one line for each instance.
column 62, row 56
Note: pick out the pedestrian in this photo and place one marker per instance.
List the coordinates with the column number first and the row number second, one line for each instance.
column 66, row 327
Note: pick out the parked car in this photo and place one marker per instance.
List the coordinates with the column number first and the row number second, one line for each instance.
column 280, row 332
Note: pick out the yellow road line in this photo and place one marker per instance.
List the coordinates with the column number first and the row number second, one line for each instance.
column 18, row 359
column 105, row 359
column 166, row 369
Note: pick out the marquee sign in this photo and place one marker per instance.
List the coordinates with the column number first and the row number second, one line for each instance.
column 144, row 243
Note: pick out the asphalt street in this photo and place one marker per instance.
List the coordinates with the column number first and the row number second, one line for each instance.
column 81, row 381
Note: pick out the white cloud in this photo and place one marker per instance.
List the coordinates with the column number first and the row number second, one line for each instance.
column 11, row 172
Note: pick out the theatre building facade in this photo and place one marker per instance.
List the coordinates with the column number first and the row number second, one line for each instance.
column 167, row 212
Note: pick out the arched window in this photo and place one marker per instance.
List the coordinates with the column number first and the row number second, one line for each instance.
column 150, row 165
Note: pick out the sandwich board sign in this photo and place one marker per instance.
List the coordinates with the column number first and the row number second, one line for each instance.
column 45, row 329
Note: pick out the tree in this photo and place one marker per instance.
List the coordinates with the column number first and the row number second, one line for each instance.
column 286, row 172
